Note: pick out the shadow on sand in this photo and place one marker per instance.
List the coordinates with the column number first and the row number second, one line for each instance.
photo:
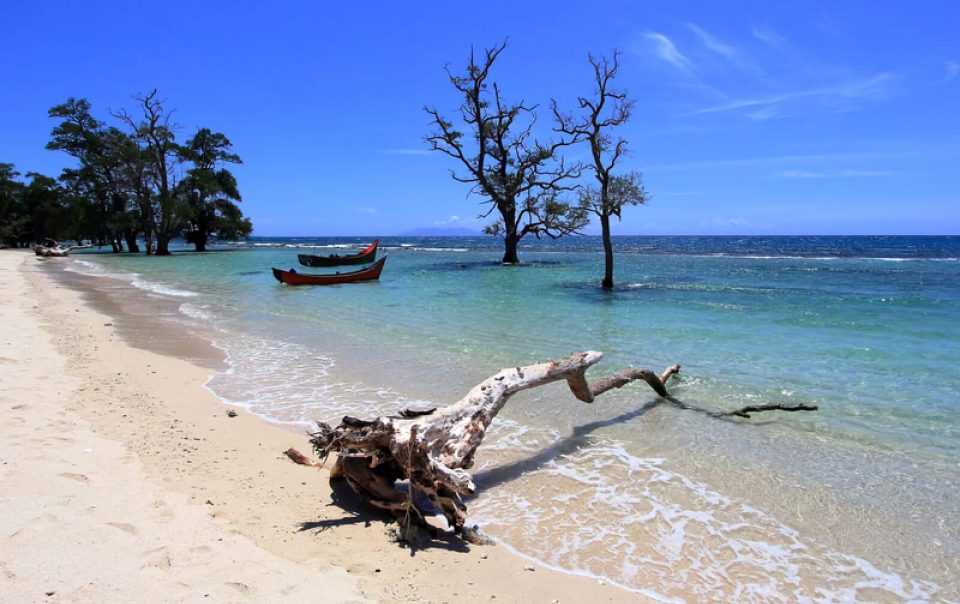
column 359, row 512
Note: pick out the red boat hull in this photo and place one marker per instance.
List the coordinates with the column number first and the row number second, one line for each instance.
column 291, row 277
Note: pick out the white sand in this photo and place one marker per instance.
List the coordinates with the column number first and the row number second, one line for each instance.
column 123, row 480
column 80, row 521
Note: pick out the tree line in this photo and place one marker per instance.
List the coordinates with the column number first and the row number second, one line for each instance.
column 133, row 182
column 525, row 182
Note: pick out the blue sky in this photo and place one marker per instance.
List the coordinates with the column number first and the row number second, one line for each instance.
column 750, row 118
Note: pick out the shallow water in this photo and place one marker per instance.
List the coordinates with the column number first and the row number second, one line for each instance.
column 856, row 501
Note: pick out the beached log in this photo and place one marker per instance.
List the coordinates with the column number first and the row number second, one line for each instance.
column 55, row 251
column 433, row 449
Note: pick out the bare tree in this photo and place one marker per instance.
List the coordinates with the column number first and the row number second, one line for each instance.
column 519, row 177
column 155, row 131
column 606, row 111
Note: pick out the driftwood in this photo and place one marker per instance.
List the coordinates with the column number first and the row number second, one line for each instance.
column 746, row 411
column 434, row 448
column 56, row 250
column 299, row 458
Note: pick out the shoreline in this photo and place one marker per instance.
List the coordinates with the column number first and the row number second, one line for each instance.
column 157, row 408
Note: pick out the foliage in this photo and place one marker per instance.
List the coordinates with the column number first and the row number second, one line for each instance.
column 125, row 184
column 211, row 190
column 14, row 224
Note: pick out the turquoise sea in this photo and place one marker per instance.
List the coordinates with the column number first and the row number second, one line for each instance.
column 859, row 501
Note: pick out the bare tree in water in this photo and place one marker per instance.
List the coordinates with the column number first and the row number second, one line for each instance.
column 520, row 178
column 599, row 115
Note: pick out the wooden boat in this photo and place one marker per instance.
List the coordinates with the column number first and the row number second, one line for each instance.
column 369, row 254
column 292, row 277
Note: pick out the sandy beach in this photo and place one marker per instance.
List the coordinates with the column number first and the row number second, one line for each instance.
column 125, row 480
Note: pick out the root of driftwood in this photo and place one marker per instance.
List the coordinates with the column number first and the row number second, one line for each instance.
column 299, row 458
column 746, row 411
column 433, row 449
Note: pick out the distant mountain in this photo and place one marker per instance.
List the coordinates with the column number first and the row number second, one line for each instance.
column 440, row 232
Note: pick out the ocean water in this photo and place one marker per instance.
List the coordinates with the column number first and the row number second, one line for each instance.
column 859, row 501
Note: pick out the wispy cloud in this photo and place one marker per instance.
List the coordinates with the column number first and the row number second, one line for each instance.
column 764, row 113
column 875, row 87
column 452, row 221
column 666, row 50
column 953, row 70
column 715, row 45
column 833, row 173
column 774, row 161
column 678, row 193
column 724, row 223
column 412, row 151
column 770, row 37
column 368, row 211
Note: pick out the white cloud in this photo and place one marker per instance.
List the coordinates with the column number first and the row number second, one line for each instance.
column 715, row 45
column 453, row 220
column 832, row 173
column 764, row 113
column 724, row 223
column 767, row 35
column 953, row 70
column 407, row 151
column 666, row 50
column 678, row 193
column 779, row 160
column 368, row 211
column 872, row 88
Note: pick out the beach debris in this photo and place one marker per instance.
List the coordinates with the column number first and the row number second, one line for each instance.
column 746, row 411
column 300, row 458
column 51, row 249
column 231, row 413
column 434, row 451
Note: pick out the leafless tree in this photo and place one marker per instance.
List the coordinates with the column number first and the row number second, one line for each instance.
column 599, row 115
column 521, row 178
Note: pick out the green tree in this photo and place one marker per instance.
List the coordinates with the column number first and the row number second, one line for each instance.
column 520, row 178
column 13, row 217
column 211, row 190
column 137, row 169
column 96, row 148
column 599, row 115
column 43, row 201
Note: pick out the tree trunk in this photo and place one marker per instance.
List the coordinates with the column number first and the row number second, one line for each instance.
column 163, row 245
column 607, row 252
column 132, row 245
column 510, row 242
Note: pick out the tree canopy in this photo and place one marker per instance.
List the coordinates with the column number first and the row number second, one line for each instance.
column 128, row 184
